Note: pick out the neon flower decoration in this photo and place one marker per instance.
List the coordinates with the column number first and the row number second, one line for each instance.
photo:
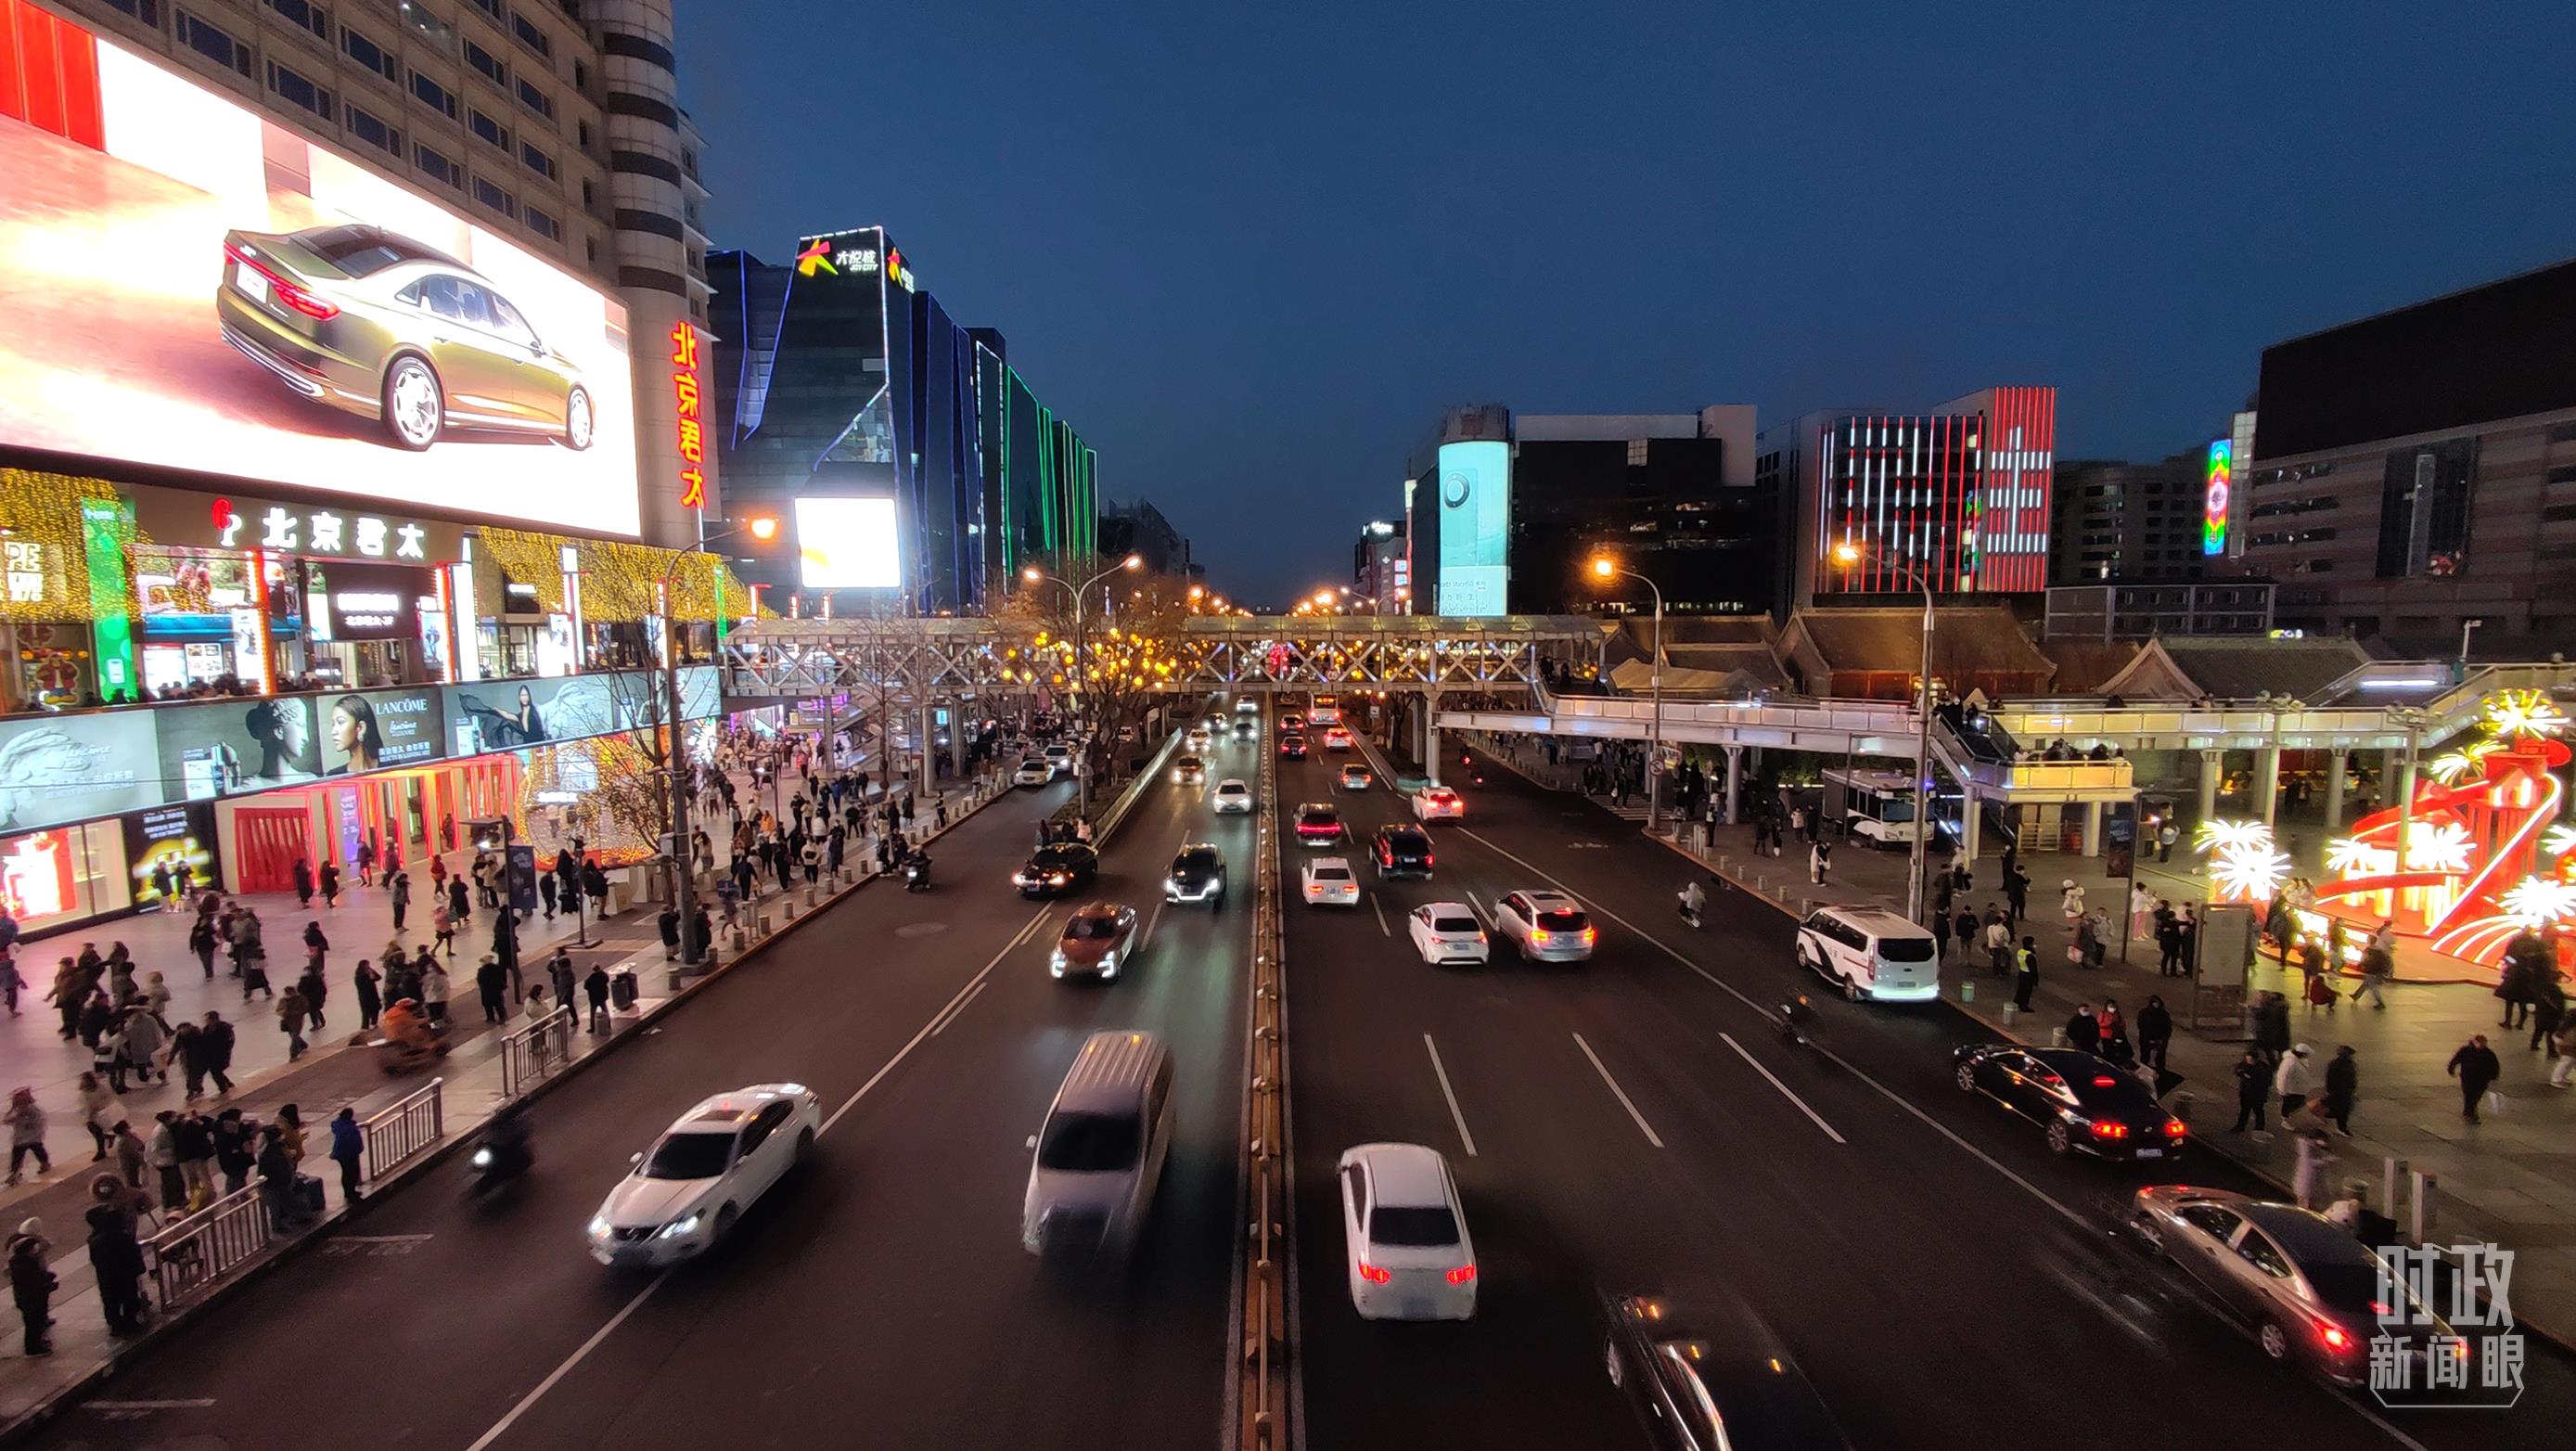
column 2470, row 875
column 2248, row 873
column 2218, row 835
column 2453, row 765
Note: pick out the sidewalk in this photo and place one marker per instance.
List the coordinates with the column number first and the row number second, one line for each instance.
column 321, row 1084
column 2510, row 1180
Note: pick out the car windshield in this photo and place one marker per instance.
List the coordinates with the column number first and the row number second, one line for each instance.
column 1232, row 788
column 1054, row 858
column 689, row 1156
column 1905, row 949
column 1190, row 763
column 1453, row 924
column 1414, row 1226
column 1091, row 929
column 1563, row 919
column 1090, row 1143
column 1194, row 863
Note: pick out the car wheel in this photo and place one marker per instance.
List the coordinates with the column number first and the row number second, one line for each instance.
column 578, row 420
column 2150, row 1238
column 1967, row 1078
column 804, row 1145
column 1851, row 990
column 724, row 1221
column 2059, row 1140
column 415, row 405
column 1610, row 1355
column 2275, row 1342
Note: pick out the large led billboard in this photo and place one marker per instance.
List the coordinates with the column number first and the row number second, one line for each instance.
column 189, row 285
column 846, row 544
column 2214, row 497
column 1475, row 527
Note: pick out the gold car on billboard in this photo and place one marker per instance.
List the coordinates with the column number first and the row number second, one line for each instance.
column 378, row 325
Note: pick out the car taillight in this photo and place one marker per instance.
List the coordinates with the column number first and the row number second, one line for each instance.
column 1428, row 861
column 2336, row 1338
column 2110, row 1129
column 1374, row 1274
column 1463, row 1275
column 290, row 293
column 1539, row 935
column 2174, row 1128
column 1590, row 934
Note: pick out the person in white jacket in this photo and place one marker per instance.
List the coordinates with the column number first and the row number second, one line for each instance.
column 2293, row 1080
column 2071, row 902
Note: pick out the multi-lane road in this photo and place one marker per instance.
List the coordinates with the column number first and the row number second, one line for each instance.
column 1636, row 1123
column 1633, row 1123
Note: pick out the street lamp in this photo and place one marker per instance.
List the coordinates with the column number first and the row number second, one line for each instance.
column 1847, row 554
column 761, row 527
column 1605, row 569
column 1081, row 597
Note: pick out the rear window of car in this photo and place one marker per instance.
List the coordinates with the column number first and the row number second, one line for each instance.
column 1563, row 920
column 689, row 1156
column 1316, row 818
column 1453, row 924
column 1332, row 874
column 363, row 251
column 1090, row 1143
column 1414, row 1226
column 1905, row 949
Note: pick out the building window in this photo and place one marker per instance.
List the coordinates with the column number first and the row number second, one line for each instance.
column 371, row 129
column 487, row 65
column 212, row 43
column 147, row 11
column 589, row 197
column 2565, row 475
column 304, row 15
column 489, row 129
column 370, row 55
column 689, row 160
column 544, row 225
column 590, row 249
column 531, row 37
column 493, row 8
column 538, row 161
column 2563, row 433
column 434, row 32
column 1636, row 453
column 2558, row 513
column 433, row 95
column 439, row 167
column 536, row 100
column 492, row 196
column 300, row 91
column 580, row 76
column 581, row 133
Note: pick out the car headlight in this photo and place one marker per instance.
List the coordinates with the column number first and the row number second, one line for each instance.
column 482, row 1158
column 599, row 1226
column 1058, row 879
column 679, row 1228
column 1056, row 959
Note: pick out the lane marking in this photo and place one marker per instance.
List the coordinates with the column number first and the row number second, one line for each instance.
column 959, row 1011
column 1380, row 909
column 582, row 1352
column 1845, row 1064
column 1152, row 921
column 379, row 1238
column 1643, row 1127
column 1485, row 916
column 1450, row 1094
column 1814, row 1117
column 116, row 1407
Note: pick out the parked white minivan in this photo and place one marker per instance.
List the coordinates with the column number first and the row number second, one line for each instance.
column 1100, row 1153
column 1871, row 952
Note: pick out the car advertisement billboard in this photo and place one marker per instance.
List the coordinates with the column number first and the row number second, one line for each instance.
column 1475, row 527
column 192, row 286
column 846, row 544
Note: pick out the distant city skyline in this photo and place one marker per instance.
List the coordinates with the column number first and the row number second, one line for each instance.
column 1257, row 260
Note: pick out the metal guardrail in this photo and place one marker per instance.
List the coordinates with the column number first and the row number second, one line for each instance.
column 197, row 1251
column 537, row 1052
column 1263, row 1400
column 411, row 1124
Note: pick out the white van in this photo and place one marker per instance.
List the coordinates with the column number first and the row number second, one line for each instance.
column 1101, row 1151
column 1871, row 952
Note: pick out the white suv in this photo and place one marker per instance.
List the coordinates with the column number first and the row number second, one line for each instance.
column 1406, row 1236
column 1549, row 926
column 1870, row 952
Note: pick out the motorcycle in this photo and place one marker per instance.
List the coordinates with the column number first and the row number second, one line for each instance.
column 1794, row 1018
column 500, row 1158
column 916, row 874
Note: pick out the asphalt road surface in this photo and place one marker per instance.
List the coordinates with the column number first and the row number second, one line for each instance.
column 880, row 1300
column 1637, row 1125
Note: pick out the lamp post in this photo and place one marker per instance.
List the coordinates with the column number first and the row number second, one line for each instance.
column 1605, row 569
column 1847, row 555
column 1081, row 598
column 683, row 873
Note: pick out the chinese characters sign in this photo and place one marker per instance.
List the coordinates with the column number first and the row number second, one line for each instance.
column 689, row 420
column 2468, row 1352
column 313, row 531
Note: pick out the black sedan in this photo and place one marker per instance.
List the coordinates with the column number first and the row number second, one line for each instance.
column 1401, row 851
column 1722, row 1381
column 1293, row 746
column 1054, row 871
column 1197, row 875
column 2085, row 1104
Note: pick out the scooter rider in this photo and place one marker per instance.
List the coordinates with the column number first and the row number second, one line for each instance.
column 1694, row 902
column 916, row 868
column 512, row 1152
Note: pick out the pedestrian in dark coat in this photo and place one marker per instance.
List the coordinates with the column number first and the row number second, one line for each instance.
column 546, row 893
column 330, row 884
column 201, row 941
column 2155, row 1032
column 370, row 1000
column 1941, row 935
column 314, row 989
column 216, row 1039
column 2272, row 1027
column 560, row 973
column 2476, row 1067
column 2026, row 981
column 670, row 924
column 2083, row 1030
column 492, row 981
column 401, row 889
column 1964, row 928
column 234, row 1156
column 303, row 874
column 2253, row 1090
column 348, row 1148
column 595, row 988
column 460, row 905
column 32, row 1284
column 116, row 1257
column 2343, row 1086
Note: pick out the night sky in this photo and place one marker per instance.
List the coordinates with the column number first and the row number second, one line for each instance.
column 1253, row 252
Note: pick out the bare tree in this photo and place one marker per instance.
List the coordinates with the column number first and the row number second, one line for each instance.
column 1116, row 656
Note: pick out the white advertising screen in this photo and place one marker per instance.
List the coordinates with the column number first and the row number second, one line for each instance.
column 192, row 286
column 846, row 544
column 1475, row 527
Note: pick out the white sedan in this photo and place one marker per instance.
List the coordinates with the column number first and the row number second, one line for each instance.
column 685, row 1193
column 1437, row 803
column 1035, row 771
column 1232, row 795
column 1329, row 880
column 1406, row 1235
column 1198, row 738
column 1446, row 932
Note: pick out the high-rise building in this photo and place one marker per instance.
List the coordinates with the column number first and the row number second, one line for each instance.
column 1955, row 496
column 1381, row 569
column 555, row 125
column 1506, row 510
column 1137, row 527
column 909, row 463
column 2128, row 523
column 2415, row 471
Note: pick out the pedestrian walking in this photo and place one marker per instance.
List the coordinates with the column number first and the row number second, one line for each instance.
column 348, row 1147
column 559, row 972
column 2016, row 893
column 401, row 892
column 1964, row 928
column 216, row 1037
column 2028, row 981
column 132, row 1156
column 546, row 893
column 492, row 984
column 116, row 1259
column 314, row 989
column 2155, row 1032
column 2293, row 1080
column 330, row 885
column 291, row 1013
column 302, row 872
column 364, row 979
column 1940, row 934
column 2377, row 967
column 201, row 941
column 2564, row 1066
column 11, row 983
column 235, row 1145
column 2343, row 1087
column 98, row 1109
column 443, row 930
column 2070, row 902
column 32, row 1284
column 2166, row 836
column 26, row 1134
column 2548, row 1009
column 433, row 993
column 2253, row 1090
column 459, row 906
column 2474, row 1065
